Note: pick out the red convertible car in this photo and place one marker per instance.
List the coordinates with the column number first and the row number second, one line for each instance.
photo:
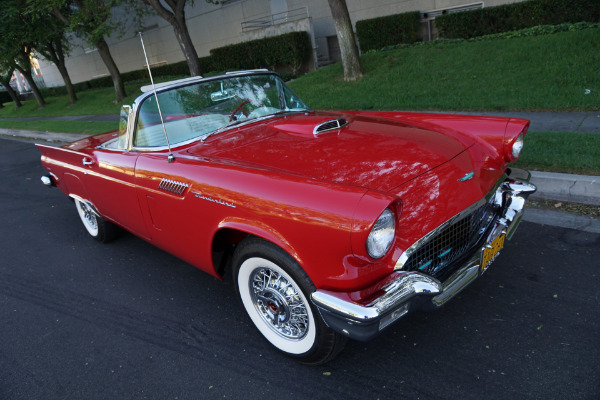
column 334, row 224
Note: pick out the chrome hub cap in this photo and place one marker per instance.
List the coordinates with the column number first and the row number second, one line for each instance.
column 278, row 303
column 89, row 216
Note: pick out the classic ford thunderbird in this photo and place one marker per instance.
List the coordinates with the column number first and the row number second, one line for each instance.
column 334, row 225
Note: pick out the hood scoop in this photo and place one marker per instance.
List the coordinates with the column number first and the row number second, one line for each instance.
column 330, row 126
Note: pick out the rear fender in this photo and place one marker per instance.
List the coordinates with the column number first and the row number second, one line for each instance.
column 66, row 168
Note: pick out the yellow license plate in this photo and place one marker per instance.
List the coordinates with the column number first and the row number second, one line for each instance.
column 490, row 253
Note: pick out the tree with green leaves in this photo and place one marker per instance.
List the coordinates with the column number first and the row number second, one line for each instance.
column 173, row 11
column 51, row 42
column 16, row 42
column 91, row 20
column 6, row 71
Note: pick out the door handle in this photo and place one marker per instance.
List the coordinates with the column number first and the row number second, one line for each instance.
column 86, row 162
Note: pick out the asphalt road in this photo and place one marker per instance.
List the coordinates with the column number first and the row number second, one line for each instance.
column 83, row 320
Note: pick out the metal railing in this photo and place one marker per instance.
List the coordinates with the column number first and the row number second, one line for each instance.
column 275, row 19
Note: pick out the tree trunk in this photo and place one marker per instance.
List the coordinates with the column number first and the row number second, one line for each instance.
column 13, row 95
column 69, row 86
column 104, row 52
column 345, row 35
column 187, row 47
column 62, row 68
column 36, row 91
column 174, row 14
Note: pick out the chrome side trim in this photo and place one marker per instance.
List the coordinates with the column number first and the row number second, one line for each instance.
column 173, row 186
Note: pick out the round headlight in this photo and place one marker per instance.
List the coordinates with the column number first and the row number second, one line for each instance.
column 382, row 235
column 517, row 146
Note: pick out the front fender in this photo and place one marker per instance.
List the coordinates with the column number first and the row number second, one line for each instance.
column 261, row 230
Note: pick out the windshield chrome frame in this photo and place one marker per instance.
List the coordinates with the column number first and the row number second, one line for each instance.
column 178, row 84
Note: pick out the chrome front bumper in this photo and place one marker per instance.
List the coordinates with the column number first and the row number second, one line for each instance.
column 412, row 291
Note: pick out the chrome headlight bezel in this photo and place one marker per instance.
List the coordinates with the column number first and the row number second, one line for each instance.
column 517, row 146
column 382, row 234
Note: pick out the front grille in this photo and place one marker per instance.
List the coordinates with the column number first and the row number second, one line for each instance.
column 438, row 255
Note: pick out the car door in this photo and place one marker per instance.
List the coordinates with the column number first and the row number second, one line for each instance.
column 176, row 221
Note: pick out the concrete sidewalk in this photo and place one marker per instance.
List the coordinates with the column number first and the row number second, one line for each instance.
column 588, row 122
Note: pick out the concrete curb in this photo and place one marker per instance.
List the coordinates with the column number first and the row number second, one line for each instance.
column 583, row 189
column 562, row 219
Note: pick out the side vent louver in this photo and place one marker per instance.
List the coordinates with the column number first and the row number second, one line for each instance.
column 173, row 186
column 329, row 126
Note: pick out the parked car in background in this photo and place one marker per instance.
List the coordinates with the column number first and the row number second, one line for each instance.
column 334, row 224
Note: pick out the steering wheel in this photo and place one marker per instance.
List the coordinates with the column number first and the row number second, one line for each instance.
column 239, row 107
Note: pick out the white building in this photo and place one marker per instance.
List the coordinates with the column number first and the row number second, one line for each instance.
column 235, row 21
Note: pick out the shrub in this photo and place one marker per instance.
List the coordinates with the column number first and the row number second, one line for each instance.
column 377, row 33
column 509, row 17
column 288, row 50
column 4, row 97
column 54, row 91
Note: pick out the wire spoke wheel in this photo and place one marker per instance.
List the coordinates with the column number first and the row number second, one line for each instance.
column 279, row 304
column 274, row 291
column 98, row 228
column 88, row 217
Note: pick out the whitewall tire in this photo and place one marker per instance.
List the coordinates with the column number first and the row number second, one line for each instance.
column 275, row 292
column 95, row 225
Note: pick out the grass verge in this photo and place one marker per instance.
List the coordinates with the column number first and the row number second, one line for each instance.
column 567, row 152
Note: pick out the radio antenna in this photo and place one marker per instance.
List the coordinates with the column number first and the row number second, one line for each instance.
column 171, row 157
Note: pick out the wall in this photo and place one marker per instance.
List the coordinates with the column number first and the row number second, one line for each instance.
column 212, row 26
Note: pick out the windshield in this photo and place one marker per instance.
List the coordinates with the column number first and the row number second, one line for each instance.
column 195, row 111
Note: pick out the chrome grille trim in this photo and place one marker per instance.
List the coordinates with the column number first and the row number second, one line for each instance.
column 173, row 186
column 330, row 125
column 490, row 204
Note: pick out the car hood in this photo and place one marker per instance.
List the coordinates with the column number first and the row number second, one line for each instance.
column 367, row 152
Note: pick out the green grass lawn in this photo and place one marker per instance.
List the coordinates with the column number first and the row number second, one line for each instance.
column 93, row 101
column 540, row 73
column 568, row 152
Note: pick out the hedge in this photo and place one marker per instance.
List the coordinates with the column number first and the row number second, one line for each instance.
column 377, row 33
column 289, row 50
column 509, row 17
column 4, row 96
